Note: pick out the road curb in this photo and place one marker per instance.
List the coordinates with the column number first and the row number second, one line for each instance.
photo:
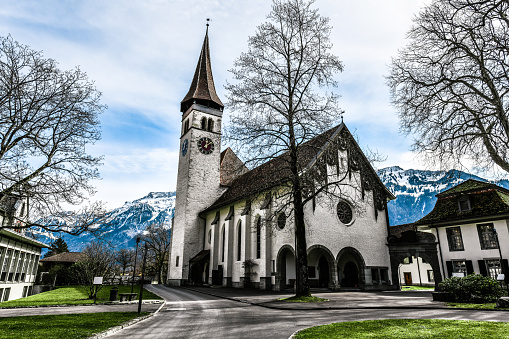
column 273, row 307
column 127, row 323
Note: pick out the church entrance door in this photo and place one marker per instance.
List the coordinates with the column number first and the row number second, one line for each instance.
column 324, row 274
column 350, row 275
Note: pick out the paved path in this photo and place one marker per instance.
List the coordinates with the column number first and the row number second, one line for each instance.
column 190, row 314
column 24, row 311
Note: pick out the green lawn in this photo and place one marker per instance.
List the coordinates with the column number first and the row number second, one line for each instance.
column 309, row 299
column 417, row 288
column 72, row 295
column 66, row 326
column 409, row 329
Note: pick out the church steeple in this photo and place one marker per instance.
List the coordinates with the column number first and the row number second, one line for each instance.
column 202, row 90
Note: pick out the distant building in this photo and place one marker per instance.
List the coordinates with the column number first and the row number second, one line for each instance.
column 471, row 223
column 65, row 259
column 19, row 254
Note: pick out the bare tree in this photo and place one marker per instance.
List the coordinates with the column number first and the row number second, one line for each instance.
column 98, row 261
column 125, row 258
column 157, row 238
column 279, row 103
column 450, row 83
column 47, row 119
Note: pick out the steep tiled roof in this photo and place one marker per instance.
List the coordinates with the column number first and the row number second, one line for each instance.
column 64, row 257
column 397, row 230
column 486, row 201
column 470, row 185
column 230, row 167
column 276, row 171
column 202, row 90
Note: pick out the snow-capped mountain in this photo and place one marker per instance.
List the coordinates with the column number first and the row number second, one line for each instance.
column 125, row 222
column 415, row 190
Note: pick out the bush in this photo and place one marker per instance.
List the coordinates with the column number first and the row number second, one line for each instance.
column 473, row 288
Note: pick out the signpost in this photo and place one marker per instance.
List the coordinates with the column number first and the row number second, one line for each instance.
column 97, row 281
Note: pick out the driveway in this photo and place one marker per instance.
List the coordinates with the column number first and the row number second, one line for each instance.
column 191, row 314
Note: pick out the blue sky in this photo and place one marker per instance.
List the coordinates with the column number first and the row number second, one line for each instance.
column 142, row 56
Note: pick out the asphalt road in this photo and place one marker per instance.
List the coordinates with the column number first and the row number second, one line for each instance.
column 189, row 314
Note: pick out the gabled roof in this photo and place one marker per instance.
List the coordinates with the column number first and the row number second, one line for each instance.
column 276, row 171
column 470, row 185
column 202, row 90
column 64, row 257
column 230, row 167
column 487, row 201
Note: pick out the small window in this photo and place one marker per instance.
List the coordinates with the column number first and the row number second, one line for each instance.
column 464, row 204
column 493, row 268
column 177, row 262
column 210, row 236
column 375, row 277
column 281, row 221
column 203, row 123
column 459, row 266
column 210, row 126
column 487, row 236
column 431, row 276
column 454, row 239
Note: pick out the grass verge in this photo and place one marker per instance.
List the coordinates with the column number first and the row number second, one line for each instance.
column 487, row 306
column 72, row 295
column 309, row 299
column 408, row 329
column 417, row 288
column 68, row 326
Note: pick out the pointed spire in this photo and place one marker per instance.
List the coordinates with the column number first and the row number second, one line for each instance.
column 202, row 90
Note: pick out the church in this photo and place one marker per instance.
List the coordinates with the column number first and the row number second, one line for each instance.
column 231, row 227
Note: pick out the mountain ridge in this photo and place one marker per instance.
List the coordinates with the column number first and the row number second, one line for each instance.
column 415, row 192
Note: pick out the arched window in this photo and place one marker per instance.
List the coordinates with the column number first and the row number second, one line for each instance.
column 203, row 123
column 239, row 240
column 258, row 237
column 281, row 221
column 210, row 127
column 224, row 238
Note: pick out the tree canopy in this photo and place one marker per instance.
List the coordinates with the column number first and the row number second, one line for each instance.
column 48, row 117
column 450, row 83
column 279, row 101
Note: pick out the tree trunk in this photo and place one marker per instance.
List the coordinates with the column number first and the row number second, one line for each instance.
column 301, row 260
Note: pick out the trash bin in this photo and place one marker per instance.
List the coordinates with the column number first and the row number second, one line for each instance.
column 114, row 294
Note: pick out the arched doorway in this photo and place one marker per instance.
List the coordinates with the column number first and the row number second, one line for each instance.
column 285, row 276
column 351, row 268
column 321, row 267
column 323, row 272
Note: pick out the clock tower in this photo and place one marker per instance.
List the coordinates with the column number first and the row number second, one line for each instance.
column 198, row 181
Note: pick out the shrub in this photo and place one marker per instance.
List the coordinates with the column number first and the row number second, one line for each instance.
column 473, row 288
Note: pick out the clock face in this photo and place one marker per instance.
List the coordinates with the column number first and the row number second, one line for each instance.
column 185, row 146
column 205, row 145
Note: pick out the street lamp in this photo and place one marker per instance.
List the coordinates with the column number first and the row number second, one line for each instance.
column 142, row 277
column 501, row 264
column 138, row 238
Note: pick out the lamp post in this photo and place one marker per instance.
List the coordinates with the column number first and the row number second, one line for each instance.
column 142, row 277
column 138, row 238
